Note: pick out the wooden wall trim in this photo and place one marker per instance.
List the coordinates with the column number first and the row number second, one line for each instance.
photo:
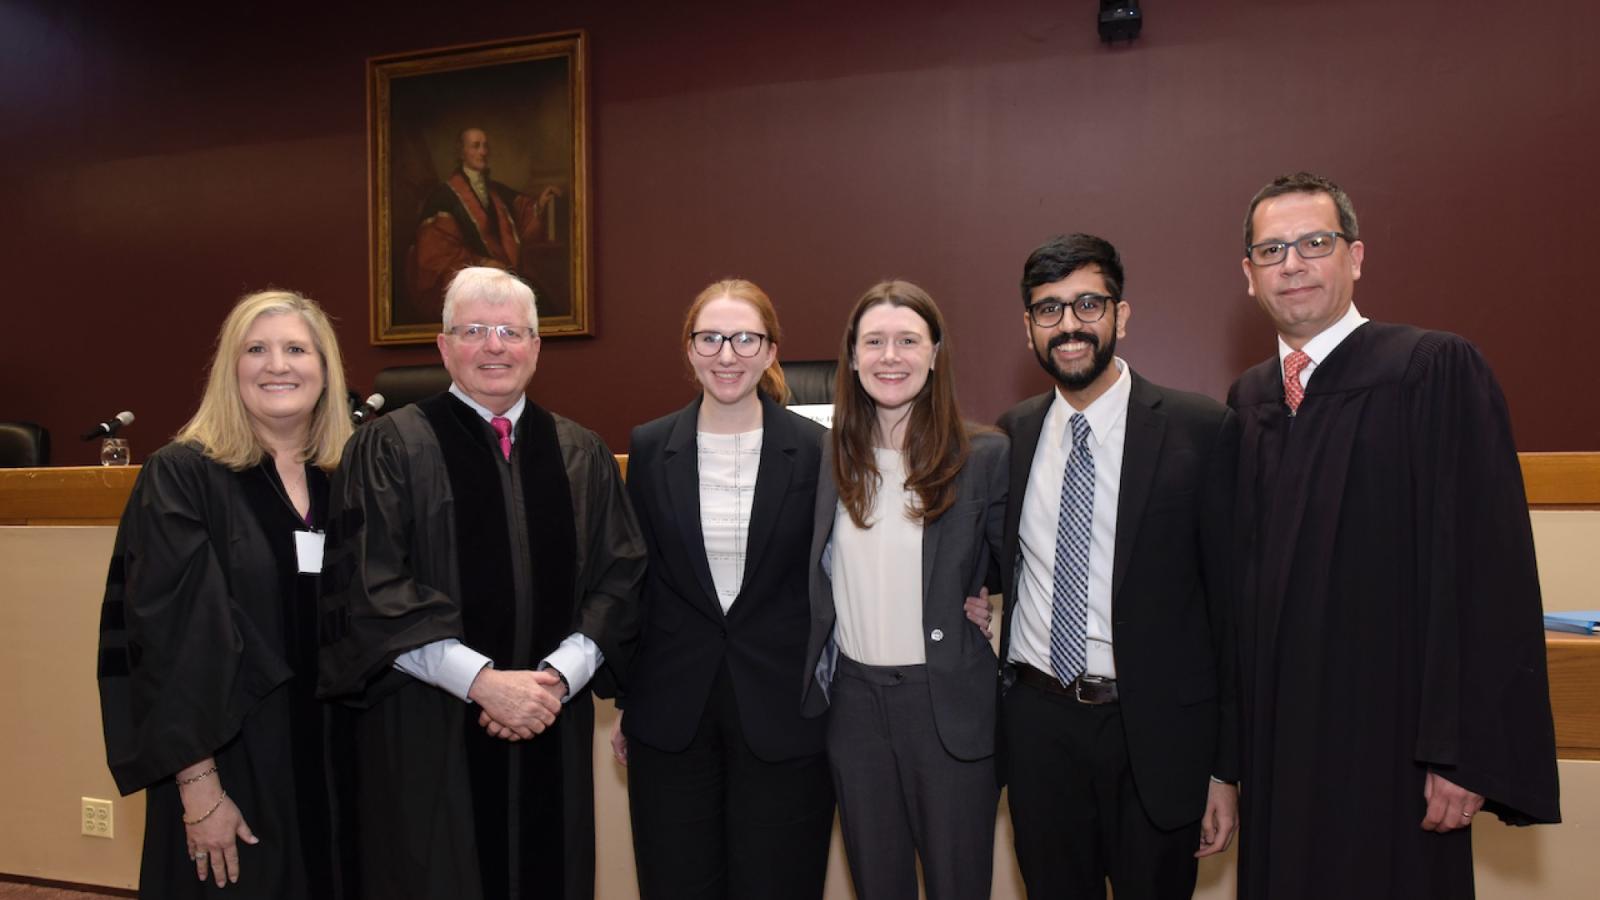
column 65, row 495
column 95, row 495
column 1574, row 662
column 1562, row 479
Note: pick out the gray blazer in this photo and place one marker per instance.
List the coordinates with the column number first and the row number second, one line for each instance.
column 958, row 552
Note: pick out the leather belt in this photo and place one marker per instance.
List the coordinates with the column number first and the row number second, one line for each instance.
column 1092, row 690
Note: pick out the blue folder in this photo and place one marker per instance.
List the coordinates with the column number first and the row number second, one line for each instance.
column 1583, row 621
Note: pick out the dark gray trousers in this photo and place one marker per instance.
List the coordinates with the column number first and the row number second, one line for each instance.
column 901, row 795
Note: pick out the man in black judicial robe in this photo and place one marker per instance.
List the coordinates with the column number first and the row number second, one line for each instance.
column 482, row 568
column 1391, row 649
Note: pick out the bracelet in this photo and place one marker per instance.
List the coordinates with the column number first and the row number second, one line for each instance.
column 214, row 808
column 185, row 782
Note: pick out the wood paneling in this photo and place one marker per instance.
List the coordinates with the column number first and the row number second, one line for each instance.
column 1574, row 661
column 94, row 495
column 1562, row 479
column 68, row 495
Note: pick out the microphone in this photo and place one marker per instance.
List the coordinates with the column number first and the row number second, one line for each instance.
column 367, row 410
column 109, row 427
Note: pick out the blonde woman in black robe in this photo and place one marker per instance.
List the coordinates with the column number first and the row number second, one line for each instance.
column 208, row 639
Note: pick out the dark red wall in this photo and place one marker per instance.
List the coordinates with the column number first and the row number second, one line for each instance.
column 157, row 166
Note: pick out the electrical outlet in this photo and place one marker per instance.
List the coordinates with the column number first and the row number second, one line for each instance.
column 97, row 820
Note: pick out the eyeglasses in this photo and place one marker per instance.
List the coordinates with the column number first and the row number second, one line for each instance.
column 477, row 333
column 744, row 343
column 1086, row 308
column 1315, row 245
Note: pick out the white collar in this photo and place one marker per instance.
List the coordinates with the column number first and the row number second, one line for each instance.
column 514, row 413
column 1102, row 414
column 1324, row 343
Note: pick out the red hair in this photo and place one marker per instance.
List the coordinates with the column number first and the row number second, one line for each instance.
column 771, row 383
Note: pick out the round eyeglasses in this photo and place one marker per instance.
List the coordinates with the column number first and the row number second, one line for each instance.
column 1086, row 308
column 477, row 333
column 744, row 343
column 1315, row 245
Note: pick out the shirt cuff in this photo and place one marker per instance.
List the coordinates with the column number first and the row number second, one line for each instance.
column 577, row 659
column 446, row 664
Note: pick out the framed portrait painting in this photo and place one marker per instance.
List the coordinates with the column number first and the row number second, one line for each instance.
column 478, row 157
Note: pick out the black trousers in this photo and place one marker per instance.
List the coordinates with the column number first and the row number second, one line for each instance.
column 714, row 821
column 901, row 795
column 1075, row 810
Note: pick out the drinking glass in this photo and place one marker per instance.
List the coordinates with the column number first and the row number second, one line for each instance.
column 114, row 452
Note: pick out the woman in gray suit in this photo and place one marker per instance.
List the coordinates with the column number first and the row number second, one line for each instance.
column 910, row 507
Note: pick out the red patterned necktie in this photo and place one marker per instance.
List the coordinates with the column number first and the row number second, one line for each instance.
column 502, row 427
column 1293, row 392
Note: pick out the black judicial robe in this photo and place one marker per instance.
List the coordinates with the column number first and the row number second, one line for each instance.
column 1390, row 620
column 434, row 535
column 208, row 647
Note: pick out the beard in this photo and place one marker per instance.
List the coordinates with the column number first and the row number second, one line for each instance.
column 1077, row 381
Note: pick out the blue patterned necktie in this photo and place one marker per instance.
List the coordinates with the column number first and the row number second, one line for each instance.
column 1069, row 597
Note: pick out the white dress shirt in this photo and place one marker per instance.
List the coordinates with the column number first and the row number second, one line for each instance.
column 1320, row 346
column 877, row 575
column 1041, row 509
column 452, row 666
column 728, row 466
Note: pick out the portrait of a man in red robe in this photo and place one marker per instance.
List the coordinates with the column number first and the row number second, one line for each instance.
column 479, row 159
column 472, row 220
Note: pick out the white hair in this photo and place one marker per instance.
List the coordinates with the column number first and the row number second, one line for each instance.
column 492, row 286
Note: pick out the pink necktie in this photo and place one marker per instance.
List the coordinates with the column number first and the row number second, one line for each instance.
column 1293, row 392
column 502, row 427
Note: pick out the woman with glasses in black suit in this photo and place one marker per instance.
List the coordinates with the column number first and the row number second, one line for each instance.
column 728, row 785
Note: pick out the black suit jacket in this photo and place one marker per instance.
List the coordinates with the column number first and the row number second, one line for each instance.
column 686, row 636
column 1171, row 590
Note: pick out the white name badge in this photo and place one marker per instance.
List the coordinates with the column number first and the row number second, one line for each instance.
column 308, row 551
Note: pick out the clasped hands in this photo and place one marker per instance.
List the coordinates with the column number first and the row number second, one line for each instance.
column 517, row 704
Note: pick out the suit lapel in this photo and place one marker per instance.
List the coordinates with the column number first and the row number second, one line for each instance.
column 681, row 461
column 931, row 533
column 1140, row 452
column 1025, row 429
column 1028, row 425
column 821, row 535
column 778, row 448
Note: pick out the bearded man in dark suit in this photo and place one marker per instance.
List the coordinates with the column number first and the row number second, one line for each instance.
column 1117, row 721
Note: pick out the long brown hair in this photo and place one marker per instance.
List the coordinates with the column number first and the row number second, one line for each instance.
column 936, row 440
column 771, row 383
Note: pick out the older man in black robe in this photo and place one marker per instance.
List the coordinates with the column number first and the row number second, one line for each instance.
column 1391, row 654
column 481, row 576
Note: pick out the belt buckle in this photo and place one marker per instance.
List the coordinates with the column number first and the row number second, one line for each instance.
column 1094, row 681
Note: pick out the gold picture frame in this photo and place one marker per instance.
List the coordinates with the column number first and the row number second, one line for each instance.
column 478, row 155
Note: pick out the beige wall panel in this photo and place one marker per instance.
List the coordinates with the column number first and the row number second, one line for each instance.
column 50, row 585
column 51, row 580
column 1567, row 542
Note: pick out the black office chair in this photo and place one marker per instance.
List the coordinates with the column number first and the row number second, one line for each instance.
column 810, row 380
column 400, row 385
column 23, row 444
